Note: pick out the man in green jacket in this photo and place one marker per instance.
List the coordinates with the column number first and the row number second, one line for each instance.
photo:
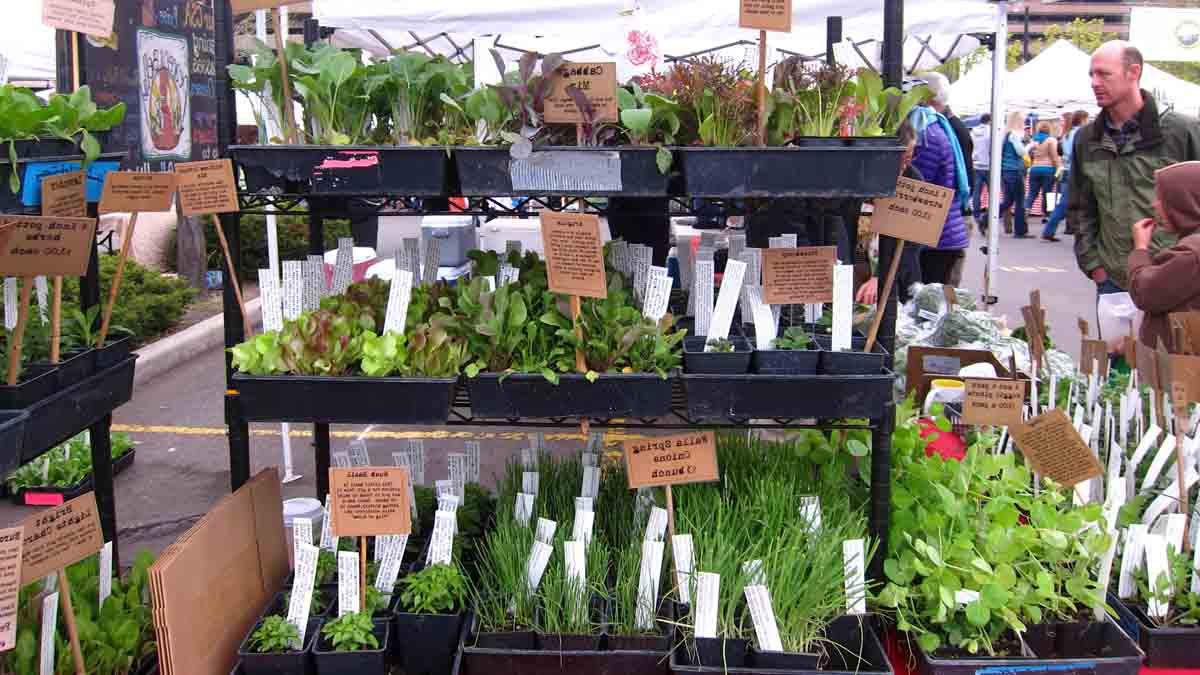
column 1115, row 157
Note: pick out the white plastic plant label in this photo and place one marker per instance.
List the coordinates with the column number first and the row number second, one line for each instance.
column 1132, row 557
column 340, row 459
column 585, row 504
column 512, row 246
column 656, row 525
column 106, row 572
column 641, row 273
column 302, row 589
column 843, row 306
column 49, row 622
column 1104, row 574
column 399, row 298
column 1165, row 453
column 431, row 261
column 575, row 560
column 648, row 581
column 1157, row 567
column 658, row 297
column 301, row 535
column 810, row 512
column 272, row 303
column 528, row 462
column 529, row 482
column 441, row 541
column 708, row 587
column 11, row 303
column 591, row 482
column 731, row 288
column 854, row 561
column 359, row 456
column 764, row 320
column 1053, row 392
column 509, row 274
column 702, row 291
column 343, row 267
column 737, row 245
column 347, row 582
column 473, row 453
column 444, row 488
column 581, row 529
column 1144, row 445
column 314, row 282
column 293, row 289
column 456, row 467
column 683, row 551
column 524, row 508
column 965, row 596
column 753, row 571
column 385, row 578
column 590, row 459
column 538, row 557
column 410, row 258
column 545, row 530
column 1114, row 484
column 1169, row 498
column 1173, row 530
column 758, row 599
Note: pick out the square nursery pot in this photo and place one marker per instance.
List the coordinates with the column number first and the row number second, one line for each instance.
column 35, row 383
column 1093, row 648
column 426, row 643
column 1173, row 647
column 559, row 642
column 298, row 662
column 345, row 399
column 827, row 170
column 637, row 395
column 73, row 366
column 786, row 361
column 366, row 662
column 856, row 362
column 714, row 653
column 561, row 171
column 409, row 171
column 697, row 361
column 113, row 352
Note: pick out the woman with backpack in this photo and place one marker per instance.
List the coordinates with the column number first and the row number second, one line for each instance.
column 1044, row 153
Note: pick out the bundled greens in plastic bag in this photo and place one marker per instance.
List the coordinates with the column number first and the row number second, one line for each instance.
column 931, row 299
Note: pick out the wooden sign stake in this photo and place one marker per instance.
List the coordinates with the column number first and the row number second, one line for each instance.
column 288, row 111
column 64, row 599
column 116, row 282
column 362, row 574
column 761, row 132
column 884, row 296
column 14, row 353
column 237, row 285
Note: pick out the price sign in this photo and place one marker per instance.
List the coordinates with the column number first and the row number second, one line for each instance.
column 370, row 501
column 773, row 15
column 65, row 195
column 1056, row 450
column 671, row 460
column 206, row 187
column 992, row 401
column 917, row 213
column 596, row 81
column 90, row 17
column 574, row 254
column 61, row 536
column 128, row 191
column 36, row 245
column 797, row 276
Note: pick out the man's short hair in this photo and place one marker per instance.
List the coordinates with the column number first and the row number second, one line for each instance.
column 1131, row 56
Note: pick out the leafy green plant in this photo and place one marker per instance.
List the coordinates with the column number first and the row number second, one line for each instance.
column 331, row 83
column 1171, row 588
column 351, row 632
column 524, row 93
column 274, row 636
column 326, row 567
column 413, row 90
column 720, row 345
column 21, row 117
column 649, row 119
column 794, row 337
column 317, row 605
column 65, row 465
column 501, row 593
column 879, row 111
column 437, row 589
column 260, row 355
column 81, row 329
column 384, row 354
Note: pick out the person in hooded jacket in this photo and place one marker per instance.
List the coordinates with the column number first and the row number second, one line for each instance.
column 940, row 160
column 1169, row 280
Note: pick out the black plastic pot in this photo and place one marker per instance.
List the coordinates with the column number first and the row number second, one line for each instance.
column 1164, row 647
column 719, row 652
column 558, row 642
column 73, row 367
column 298, row 662
column 1099, row 649
column 347, row 399
column 639, row 395
column 36, row 382
column 410, row 171
column 786, row 361
column 113, row 352
column 568, row 171
column 785, row 397
column 12, row 434
column 366, row 662
column 794, row 661
column 507, row 640
column 850, row 362
column 819, row 142
column 426, row 643
column 698, row 361
column 851, row 646
column 53, row 494
column 823, row 171
column 640, row 643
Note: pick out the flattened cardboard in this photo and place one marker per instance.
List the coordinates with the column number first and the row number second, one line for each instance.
column 574, row 254
column 1190, row 321
column 917, row 213
column 926, row 364
column 993, row 401
column 797, row 276
column 1185, row 374
column 60, row 536
column 141, row 191
column 65, row 195
column 1056, row 450
column 90, row 17
column 35, row 245
column 671, row 460
column 206, row 187
column 774, row 15
column 10, row 585
column 1147, row 367
column 369, row 501
column 597, row 81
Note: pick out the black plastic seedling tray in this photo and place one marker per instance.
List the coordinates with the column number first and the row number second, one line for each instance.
column 491, row 172
column 411, row 171
column 640, row 395
column 345, row 400
column 840, row 169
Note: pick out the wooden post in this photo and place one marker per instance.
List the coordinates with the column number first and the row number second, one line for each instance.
column 127, row 240
column 288, row 111
column 670, row 515
column 884, row 296
column 1179, row 400
column 761, row 131
column 362, row 576
column 233, row 278
column 18, row 336
column 64, row 600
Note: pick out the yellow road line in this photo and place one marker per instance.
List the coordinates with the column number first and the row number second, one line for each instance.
column 611, row 437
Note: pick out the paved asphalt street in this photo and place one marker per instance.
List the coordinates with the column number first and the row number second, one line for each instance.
column 182, row 464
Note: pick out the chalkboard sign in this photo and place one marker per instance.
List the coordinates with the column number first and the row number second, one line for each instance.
column 161, row 60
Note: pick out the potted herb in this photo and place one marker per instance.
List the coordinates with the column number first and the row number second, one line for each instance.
column 504, row 603
column 81, row 332
column 1168, row 641
column 570, row 614
column 794, row 353
column 352, row 644
column 624, row 634
column 429, row 617
column 724, row 356
column 65, row 470
column 273, row 646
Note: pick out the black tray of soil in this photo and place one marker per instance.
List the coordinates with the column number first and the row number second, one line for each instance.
column 637, row 395
column 365, row 662
column 625, row 171
column 113, row 352
column 482, row 655
column 853, row 647
column 856, row 362
column 64, row 414
column 785, row 397
column 345, row 399
column 818, row 171
column 786, row 361
column 34, row 383
column 12, row 433
column 405, row 171
column 298, row 662
column 1092, row 648
column 73, row 366
column 1168, row 647
column 52, row 495
column 698, row 361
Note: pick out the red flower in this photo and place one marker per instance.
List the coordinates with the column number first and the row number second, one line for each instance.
column 643, row 48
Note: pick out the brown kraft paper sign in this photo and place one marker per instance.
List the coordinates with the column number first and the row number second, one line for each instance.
column 774, row 15
column 671, row 460
column 796, row 276
column 597, row 81
column 36, row 245
column 141, row 191
column 369, row 501
column 1056, row 450
column 574, row 254
column 206, row 187
column 993, row 401
column 65, row 195
column 60, row 536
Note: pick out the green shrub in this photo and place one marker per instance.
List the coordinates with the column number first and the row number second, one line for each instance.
column 293, row 242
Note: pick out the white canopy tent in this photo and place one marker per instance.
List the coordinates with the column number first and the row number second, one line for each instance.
column 26, row 44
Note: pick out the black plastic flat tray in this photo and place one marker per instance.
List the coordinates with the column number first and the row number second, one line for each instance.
column 30, row 496
column 741, row 397
column 12, row 432
column 1164, row 647
column 488, row 172
column 1124, row 657
column 411, row 171
column 640, row 395
column 853, row 647
column 345, row 400
column 848, row 169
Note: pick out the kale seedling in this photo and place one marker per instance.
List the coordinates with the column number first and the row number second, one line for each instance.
column 720, row 345
column 274, row 636
column 792, row 338
column 354, row 632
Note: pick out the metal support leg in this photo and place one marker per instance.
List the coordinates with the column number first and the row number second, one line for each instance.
column 239, row 442
column 321, row 455
column 102, row 477
column 881, row 488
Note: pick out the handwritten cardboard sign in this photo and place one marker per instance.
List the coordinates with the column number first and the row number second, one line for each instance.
column 671, row 460
column 1033, row 333
column 36, row 245
column 369, row 501
column 10, row 585
column 597, row 81
column 61, row 536
column 574, row 254
column 65, row 195
column 142, row 191
column 796, row 276
column 1093, row 351
column 766, row 15
column 1055, row 449
column 244, row 6
column 993, row 401
column 90, row 17
column 917, row 213
column 206, row 187
column 1185, row 374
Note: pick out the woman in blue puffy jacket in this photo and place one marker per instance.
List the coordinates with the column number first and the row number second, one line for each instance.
column 939, row 159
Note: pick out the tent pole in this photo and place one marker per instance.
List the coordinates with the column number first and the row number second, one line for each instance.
column 892, row 57
column 999, row 72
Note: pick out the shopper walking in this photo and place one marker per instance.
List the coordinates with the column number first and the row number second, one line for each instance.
column 1012, row 176
column 1067, row 147
column 981, row 159
column 1044, row 153
column 1112, row 177
column 939, row 158
column 1168, row 281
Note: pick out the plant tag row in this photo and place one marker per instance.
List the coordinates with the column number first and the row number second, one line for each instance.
column 656, row 525
column 347, row 562
column 758, row 599
column 853, row 558
column 304, row 577
column 359, row 455
column 702, row 292
column 328, row 541
column 591, row 482
column 648, row 582
column 545, row 530
column 529, row 482
column 539, row 556
column 731, row 288
column 708, row 587
column 683, row 552
column 441, row 541
column 399, row 298
column 523, row 510
column 581, row 529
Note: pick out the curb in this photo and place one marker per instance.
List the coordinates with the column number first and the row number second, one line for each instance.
column 172, row 351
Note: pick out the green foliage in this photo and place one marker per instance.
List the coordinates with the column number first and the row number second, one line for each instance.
column 501, row 596
column 417, row 96
column 720, row 345
column 292, row 231
column 65, row 465
column 880, row 111
column 1174, row 588
column 326, row 567
column 794, row 337
column 149, row 303
column 351, row 632
column 649, row 119
column 438, row 589
column 274, row 636
column 317, row 605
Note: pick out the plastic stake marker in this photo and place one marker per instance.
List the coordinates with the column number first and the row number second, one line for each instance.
column 359, row 456
column 753, row 571
column 293, row 288
column 529, row 482
column 343, row 266
column 523, row 510
column 1156, row 565
column 301, row 535
column 658, row 297
column 1104, row 574
column 10, row 303
column 683, row 553
column 49, row 621
column 347, row 582
column 441, row 542
column 708, row 587
column 1143, row 447
column 1053, row 392
column 582, row 528
column 843, row 306
column 272, row 304
column 1165, row 452
column 14, row 354
column 1132, row 557
column 702, row 291
column 853, row 559
column 538, row 557
column 431, row 261
column 106, row 570
column 399, row 297
column 591, row 482
column 731, row 288
column 648, row 583
column 473, row 452
column 810, row 512
column 410, row 258
column 764, row 320
column 328, row 541
column 302, row 588
column 545, row 530
column 758, row 599
column 585, row 504
column 42, row 291
column 314, row 282
column 656, row 525
column 1173, row 530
